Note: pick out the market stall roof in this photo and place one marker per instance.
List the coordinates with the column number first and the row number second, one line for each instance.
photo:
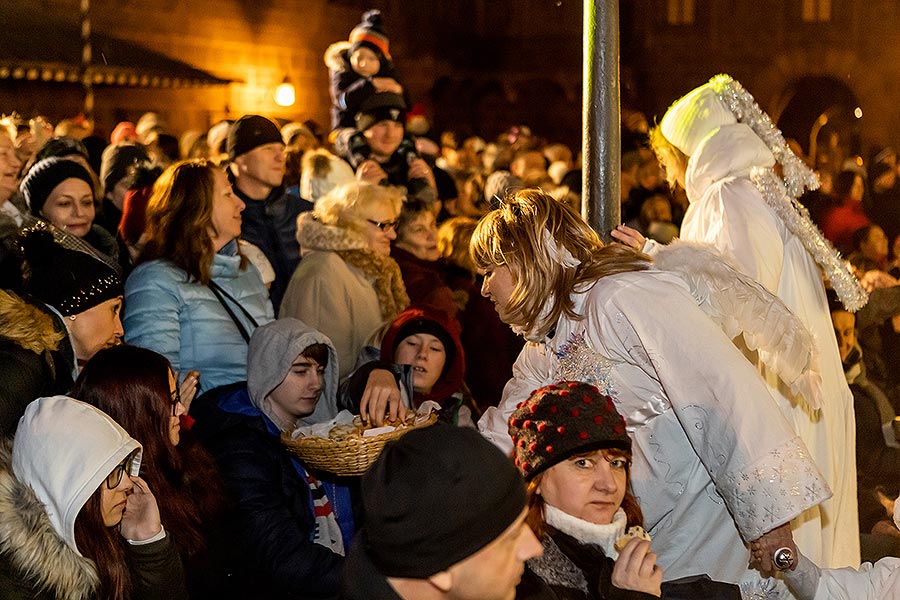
column 51, row 51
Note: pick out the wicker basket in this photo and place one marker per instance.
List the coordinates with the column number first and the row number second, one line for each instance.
column 348, row 457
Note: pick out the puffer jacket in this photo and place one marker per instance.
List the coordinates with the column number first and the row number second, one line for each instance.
column 37, row 564
column 184, row 321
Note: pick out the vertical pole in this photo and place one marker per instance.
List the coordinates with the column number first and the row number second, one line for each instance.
column 601, row 114
column 86, row 57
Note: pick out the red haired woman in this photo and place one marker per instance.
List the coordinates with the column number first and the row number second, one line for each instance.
column 136, row 387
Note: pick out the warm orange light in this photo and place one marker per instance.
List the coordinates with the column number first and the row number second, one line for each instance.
column 285, row 94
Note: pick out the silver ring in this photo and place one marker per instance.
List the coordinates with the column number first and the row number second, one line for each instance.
column 783, row 559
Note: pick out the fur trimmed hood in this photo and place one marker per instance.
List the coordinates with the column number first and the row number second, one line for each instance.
column 313, row 234
column 31, row 545
column 337, row 56
column 27, row 325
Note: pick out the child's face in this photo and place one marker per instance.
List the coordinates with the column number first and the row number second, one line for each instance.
column 365, row 62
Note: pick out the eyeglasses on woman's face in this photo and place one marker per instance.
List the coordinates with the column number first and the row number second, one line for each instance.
column 115, row 476
column 385, row 225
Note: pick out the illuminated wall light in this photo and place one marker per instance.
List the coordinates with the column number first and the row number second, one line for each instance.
column 857, row 112
column 285, row 95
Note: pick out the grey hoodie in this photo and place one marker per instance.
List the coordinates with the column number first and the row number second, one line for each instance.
column 273, row 349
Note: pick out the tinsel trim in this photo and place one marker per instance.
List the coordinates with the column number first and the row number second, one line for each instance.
column 797, row 176
column 781, row 193
column 797, row 220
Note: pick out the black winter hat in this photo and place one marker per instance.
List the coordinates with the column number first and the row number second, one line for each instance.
column 370, row 33
column 435, row 497
column 431, row 327
column 71, row 281
column 250, row 132
column 561, row 420
column 45, row 175
column 383, row 106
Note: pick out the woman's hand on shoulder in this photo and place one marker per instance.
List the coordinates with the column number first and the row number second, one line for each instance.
column 381, row 397
column 636, row 569
column 141, row 518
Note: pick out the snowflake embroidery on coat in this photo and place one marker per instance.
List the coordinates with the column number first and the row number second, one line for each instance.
column 577, row 361
column 761, row 589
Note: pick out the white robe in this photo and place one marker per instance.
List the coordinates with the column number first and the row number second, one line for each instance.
column 714, row 459
column 728, row 212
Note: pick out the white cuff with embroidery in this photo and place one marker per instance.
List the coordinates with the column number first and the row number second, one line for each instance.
column 773, row 490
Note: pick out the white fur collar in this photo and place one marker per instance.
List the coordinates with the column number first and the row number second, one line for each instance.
column 586, row 532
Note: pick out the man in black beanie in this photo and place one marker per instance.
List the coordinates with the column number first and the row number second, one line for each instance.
column 445, row 518
column 256, row 151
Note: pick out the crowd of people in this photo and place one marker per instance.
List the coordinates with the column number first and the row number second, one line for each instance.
column 170, row 308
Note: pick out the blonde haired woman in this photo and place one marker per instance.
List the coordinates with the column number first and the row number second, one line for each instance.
column 347, row 285
column 703, row 423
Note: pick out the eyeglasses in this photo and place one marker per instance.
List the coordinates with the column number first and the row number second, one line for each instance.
column 176, row 400
column 115, row 476
column 385, row 225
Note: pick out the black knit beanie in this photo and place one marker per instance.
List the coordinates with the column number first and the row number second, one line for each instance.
column 383, row 106
column 250, row 132
column 45, row 175
column 71, row 281
column 431, row 327
column 435, row 497
column 370, row 34
column 561, row 420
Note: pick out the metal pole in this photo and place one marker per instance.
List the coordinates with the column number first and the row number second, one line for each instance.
column 601, row 116
column 86, row 57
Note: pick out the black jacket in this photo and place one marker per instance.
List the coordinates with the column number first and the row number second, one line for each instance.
column 271, row 225
column 24, row 373
column 581, row 571
column 362, row 581
column 272, row 520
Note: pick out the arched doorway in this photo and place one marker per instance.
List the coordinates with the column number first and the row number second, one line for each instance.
column 823, row 115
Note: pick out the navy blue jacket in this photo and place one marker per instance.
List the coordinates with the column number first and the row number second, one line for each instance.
column 274, row 519
column 271, row 225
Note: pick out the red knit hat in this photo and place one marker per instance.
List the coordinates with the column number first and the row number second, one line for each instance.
column 561, row 420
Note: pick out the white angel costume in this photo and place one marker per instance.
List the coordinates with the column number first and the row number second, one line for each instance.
column 740, row 206
column 878, row 581
column 715, row 461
